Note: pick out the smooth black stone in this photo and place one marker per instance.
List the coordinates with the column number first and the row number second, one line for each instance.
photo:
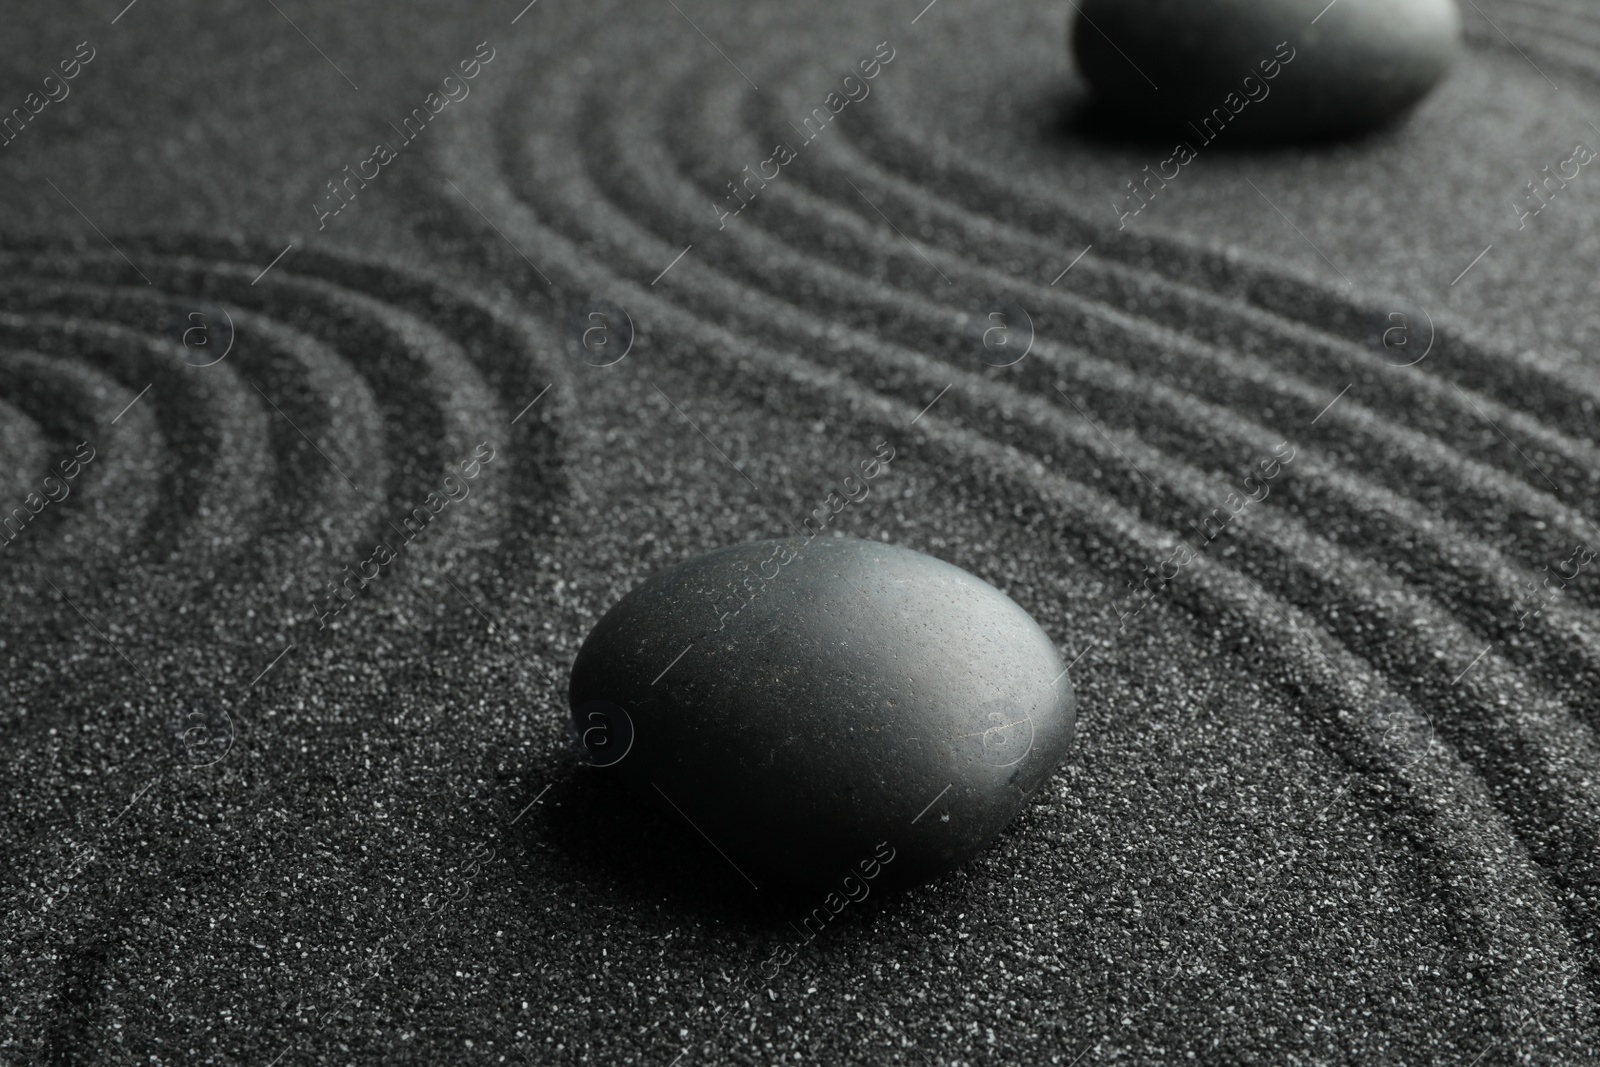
column 839, row 700
column 1173, row 63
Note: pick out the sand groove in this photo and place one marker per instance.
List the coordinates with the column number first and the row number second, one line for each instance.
column 1193, row 365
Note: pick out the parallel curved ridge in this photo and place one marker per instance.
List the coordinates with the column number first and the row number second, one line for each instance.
column 1157, row 376
column 254, row 434
column 1358, row 644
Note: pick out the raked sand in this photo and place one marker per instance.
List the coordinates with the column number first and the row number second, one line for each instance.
column 1336, row 790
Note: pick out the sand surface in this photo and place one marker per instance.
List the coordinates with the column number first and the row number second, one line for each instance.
column 1336, row 791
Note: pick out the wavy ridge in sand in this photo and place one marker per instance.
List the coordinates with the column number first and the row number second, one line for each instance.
column 1375, row 591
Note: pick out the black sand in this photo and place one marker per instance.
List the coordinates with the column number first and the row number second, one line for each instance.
column 1331, row 800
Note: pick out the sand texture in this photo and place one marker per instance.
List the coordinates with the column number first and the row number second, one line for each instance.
column 1335, row 796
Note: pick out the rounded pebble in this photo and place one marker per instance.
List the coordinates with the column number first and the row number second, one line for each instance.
column 825, row 710
column 1264, row 69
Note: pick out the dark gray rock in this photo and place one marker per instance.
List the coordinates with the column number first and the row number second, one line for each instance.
column 813, row 706
column 1262, row 69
